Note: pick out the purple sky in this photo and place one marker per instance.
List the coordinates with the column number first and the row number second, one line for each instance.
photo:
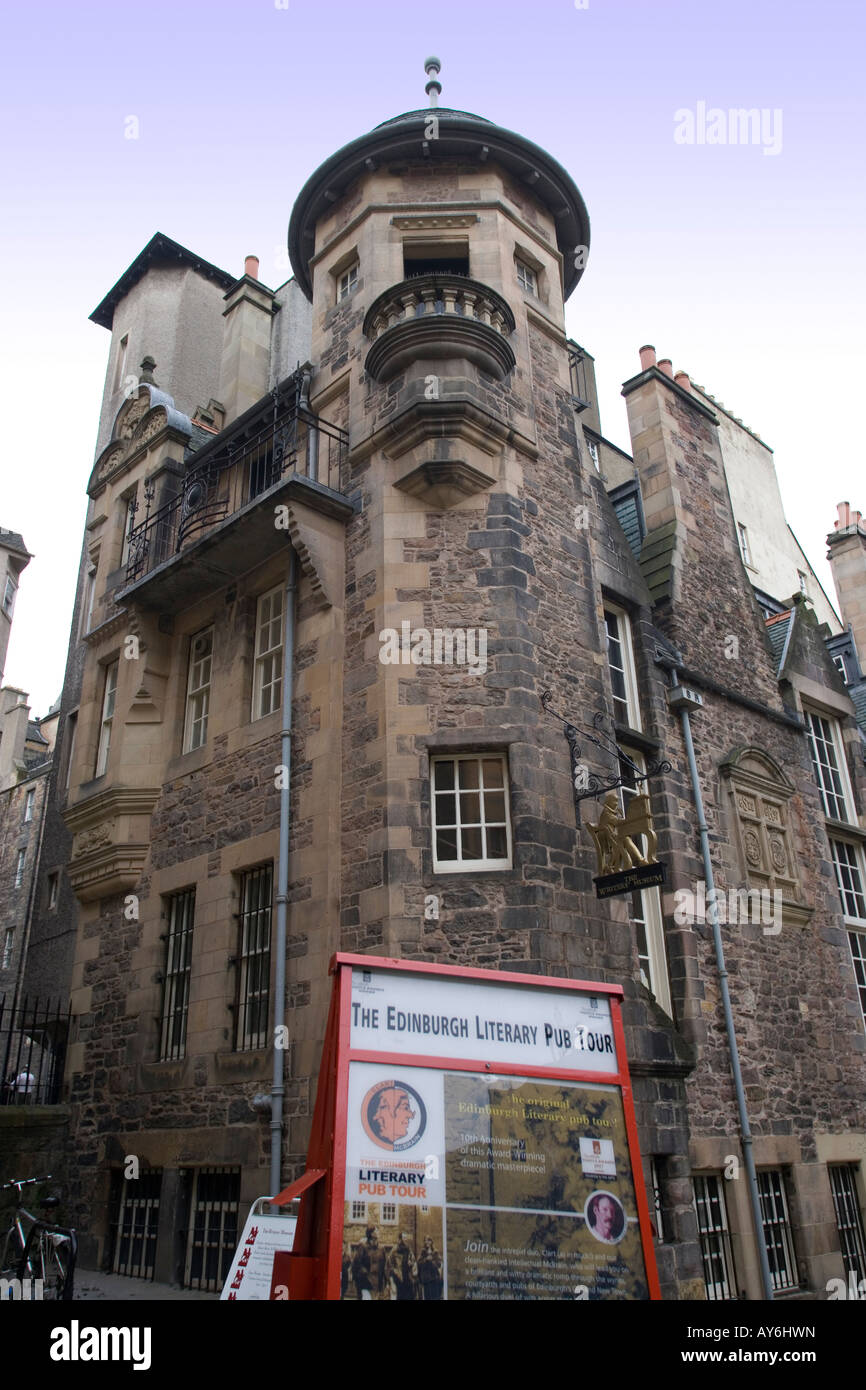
column 746, row 269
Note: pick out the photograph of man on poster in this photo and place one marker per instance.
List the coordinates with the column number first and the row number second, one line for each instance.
column 605, row 1217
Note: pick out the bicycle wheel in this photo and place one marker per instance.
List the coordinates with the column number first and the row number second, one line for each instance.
column 50, row 1256
column 13, row 1251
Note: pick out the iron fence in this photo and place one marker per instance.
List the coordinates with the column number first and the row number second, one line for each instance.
column 33, row 1038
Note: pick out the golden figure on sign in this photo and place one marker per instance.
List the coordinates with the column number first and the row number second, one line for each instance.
column 614, row 834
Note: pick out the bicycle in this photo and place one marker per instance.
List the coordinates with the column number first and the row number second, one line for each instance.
column 43, row 1251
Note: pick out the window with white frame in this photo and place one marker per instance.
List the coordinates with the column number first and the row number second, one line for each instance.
column 19, row 867
column 389, row 1213
column 198, row 690
column 28, row 803
column 745, row 548
column 359, row 1211
column 839, row 663
column 828, row 762
column 347, row 281
column 592, row 449
column 849, row 1220
column 471, row 817
column 109, row 697
column 777, row 1229
column 857, row 944
column 9, row 591
column 87, row 598
column 714, row 1236
column 53, row 889
column 268, row 673
column 129, row 509
column 8, row 945
column 645, row 903
column 120, row 362
column 72, row 728
column 620, row 658
column 527, row 278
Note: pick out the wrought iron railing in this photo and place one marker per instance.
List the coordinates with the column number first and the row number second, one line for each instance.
column 233, row 474
column 33, row 1038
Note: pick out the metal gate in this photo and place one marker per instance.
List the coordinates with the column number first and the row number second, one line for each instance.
column 213, row 1229
column 137, row 1225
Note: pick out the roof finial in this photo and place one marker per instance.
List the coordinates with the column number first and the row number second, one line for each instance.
column 434, row 86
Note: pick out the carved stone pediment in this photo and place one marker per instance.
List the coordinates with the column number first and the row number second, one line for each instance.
column 759, row 796
column 111, row 839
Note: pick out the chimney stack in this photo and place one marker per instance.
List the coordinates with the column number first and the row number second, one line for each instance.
column 847, row 555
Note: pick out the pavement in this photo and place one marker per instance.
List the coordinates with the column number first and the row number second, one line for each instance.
column 91, row 1284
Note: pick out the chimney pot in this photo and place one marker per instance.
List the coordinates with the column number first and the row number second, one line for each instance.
column 843, row 516
column 666, row 366
column 647, row 356
column 251, row 267
column 682, row 379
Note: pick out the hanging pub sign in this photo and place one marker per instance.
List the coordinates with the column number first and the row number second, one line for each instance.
column 473, row 1138
column 622, row 864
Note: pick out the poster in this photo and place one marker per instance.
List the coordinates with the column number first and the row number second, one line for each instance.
column 462, row 1185
column 249, row 1276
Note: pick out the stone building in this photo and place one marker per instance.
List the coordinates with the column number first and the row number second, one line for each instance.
column 301, row 487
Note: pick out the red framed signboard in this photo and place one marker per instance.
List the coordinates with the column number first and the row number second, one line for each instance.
column 474, row 1138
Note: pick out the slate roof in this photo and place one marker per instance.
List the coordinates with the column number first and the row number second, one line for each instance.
column 777, row 631
column 627, row 505
column 13, row 540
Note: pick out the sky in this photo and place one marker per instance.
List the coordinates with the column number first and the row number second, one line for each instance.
column 743, row 262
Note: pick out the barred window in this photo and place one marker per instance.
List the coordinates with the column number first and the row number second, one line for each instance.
column 849, row 1221
column 268, row 675
column 656, row 1165
column 178, row 956
column 198, row 690
column 254, row 960
column 714, row 1236
column 777, row 1228
column 825, row 745
column 471, row 819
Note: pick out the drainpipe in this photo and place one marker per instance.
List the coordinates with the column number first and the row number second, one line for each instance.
column 278, row 1087
column 681, row 700
column 312, row 432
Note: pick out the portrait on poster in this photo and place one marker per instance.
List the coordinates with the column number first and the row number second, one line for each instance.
column 605, row 1217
